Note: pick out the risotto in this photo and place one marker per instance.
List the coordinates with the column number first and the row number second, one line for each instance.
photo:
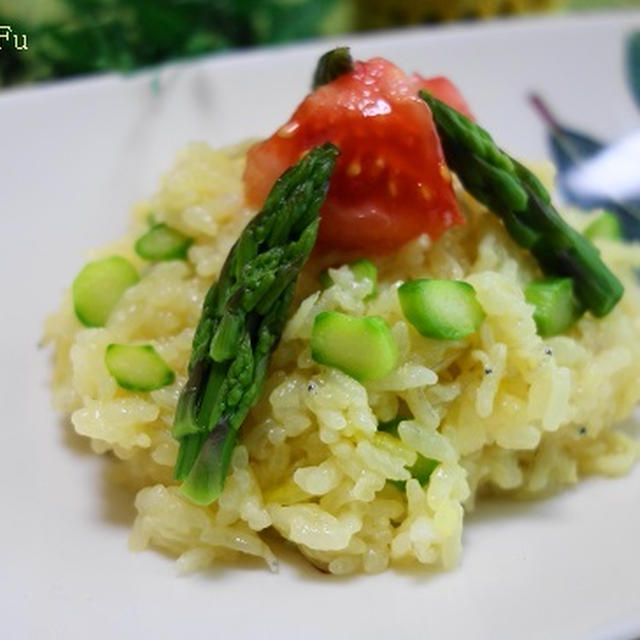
column 502, row 410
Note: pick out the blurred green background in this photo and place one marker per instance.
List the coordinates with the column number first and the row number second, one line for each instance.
column 72, row 37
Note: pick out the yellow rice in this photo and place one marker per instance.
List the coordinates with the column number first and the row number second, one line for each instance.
column 503, row 411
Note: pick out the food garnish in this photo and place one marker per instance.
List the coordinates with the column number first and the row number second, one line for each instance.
column 556, row 307
column 445, row 91
column 391, row 183
column 362, row 269
column 362, row 347
column 422, row 468
column 332, row 64
column 606, row 226
column 441, row 309
column 98, row 287
column 512, row 192
column 162, row 242
column 137, row 367
column 243, row 315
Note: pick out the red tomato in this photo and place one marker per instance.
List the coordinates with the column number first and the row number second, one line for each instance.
column 390, row 183
column 443, row 89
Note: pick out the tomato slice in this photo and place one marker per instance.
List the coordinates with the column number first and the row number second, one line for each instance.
column 443, row 89
column 391, row 182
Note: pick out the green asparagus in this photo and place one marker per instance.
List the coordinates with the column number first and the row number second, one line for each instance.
column 242, row 319
column 422, row 468
column 331, row 65
column 162, row 242
column 606, row 226
column 555, row 306
column 441, row 309
column 362, row 269
column 362, row 347
column 99, row 286
column 137, row 367
column 512, row 192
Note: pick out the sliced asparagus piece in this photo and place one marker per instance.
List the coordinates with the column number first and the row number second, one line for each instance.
column 607, row 225
column 556, row 307
column 441, row 309
column 138, row 367
column 363, row 348
column 98, row 287
column 162, row 242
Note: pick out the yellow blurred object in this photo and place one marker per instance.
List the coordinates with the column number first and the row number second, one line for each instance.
column 373, row 14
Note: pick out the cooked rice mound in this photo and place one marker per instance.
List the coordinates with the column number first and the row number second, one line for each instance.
column 503, row 410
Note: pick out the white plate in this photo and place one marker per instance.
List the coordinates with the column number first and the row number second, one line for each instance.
column 74, row 157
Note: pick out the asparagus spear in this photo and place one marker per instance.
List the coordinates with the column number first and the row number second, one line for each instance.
column 331, row 65
column 242, row 319
column 512, row 192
